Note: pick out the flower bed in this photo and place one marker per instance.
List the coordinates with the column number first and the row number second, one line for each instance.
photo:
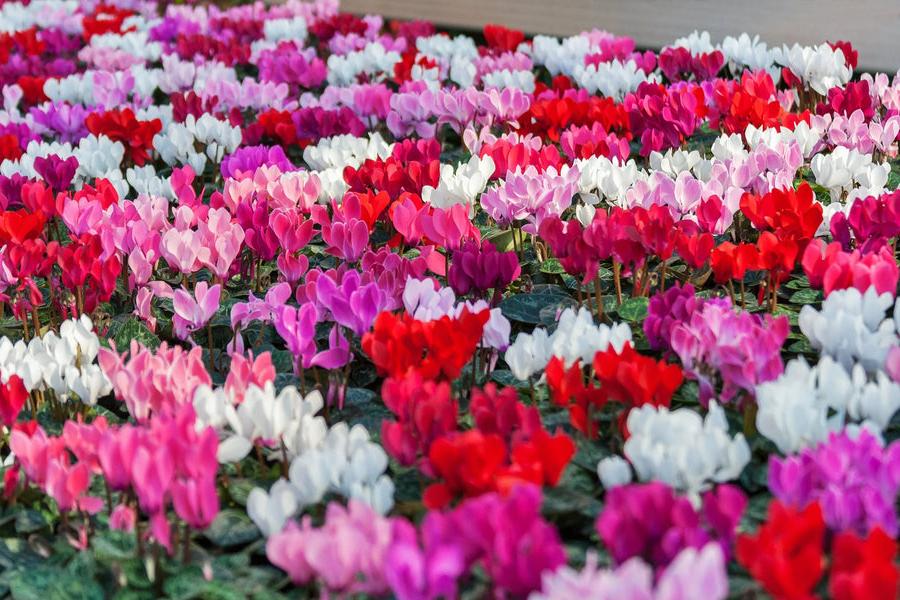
column 300, row 304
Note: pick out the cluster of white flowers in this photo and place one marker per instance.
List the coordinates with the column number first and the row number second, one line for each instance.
column 614, row 78
column 177, row 143
column 64, row 364
column 443, row 48
column 674, row 162
column 345, row 151
column 144, row 180
column 602, row 178
column 373, row 60
column 819, row 67
column 504, row 78
column 16, row 16
column 347, row 463
column 460, row 185
column 679, row 448
column 844, row 168
column 576, row 337
column 135, row 43
column 805, row 404
column 560, row 56
column 323, row 460
column 745, row 52
column 294, row 29
column 851, row 327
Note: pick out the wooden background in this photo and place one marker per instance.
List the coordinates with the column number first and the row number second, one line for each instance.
column 873, row 26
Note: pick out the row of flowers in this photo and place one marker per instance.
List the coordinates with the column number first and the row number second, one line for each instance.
column 408, row 305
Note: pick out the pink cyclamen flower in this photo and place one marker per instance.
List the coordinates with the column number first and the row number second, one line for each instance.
column 192, row 314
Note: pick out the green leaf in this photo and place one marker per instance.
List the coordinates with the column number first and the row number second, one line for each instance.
column 189, row 583
column 806, row 296
column 231, row 528
column 530, row 308
column 283, row 361
column 29, row 521
column 634, row 310
column 501, row 238
column 113, row 546
column 505, row 378
column 239, row 489
column 134, row 329
column 552, row 266
column 52, row 583
column 361, row 406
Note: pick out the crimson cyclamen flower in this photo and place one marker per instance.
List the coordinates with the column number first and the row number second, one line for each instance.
column 12, row 398
column 863, row 567
column 438, row 349
column 785, row 554
column 122, row 126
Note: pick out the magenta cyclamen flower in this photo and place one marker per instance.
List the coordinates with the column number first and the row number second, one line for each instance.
column 58, row 173
column 676, row 305
column 649, row 521
column 739, row 348
column 478, row 270
column 510, row 538
column 853, row 478
column 428, row 571
column 245, row 161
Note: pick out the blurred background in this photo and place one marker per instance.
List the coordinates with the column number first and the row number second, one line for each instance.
column 873, row 26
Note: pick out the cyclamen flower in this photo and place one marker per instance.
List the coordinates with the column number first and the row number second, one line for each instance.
column 692, row 574
column 665, row 311
column 851, row 327
column 531, row 196
column 651, row 522
column 740, row 348
column 801, row 407
column 191, row 314
column 785, row 554
column 346, row 554
column 853, row 478
column 576, row 337
column 477, row 269
column 830, row 268
column 681, row 449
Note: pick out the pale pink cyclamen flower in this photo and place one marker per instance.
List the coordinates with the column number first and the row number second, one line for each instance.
column 192, row 314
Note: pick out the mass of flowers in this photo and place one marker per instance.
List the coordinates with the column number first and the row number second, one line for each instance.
column 301, row 304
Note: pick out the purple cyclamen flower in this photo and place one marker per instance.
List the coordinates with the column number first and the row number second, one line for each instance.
column 351, row 303
column 477, row 269
column 650, row 521
column 58, row 173
column 853, row 478
column 249, row 158
column 510, row 538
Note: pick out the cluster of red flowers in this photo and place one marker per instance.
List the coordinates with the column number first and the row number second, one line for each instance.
column 787, row 556
column 552, row 114
column 627, row 378
column 437, row 350
column 507, row 446
column 750, row 101
column 411, row 166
